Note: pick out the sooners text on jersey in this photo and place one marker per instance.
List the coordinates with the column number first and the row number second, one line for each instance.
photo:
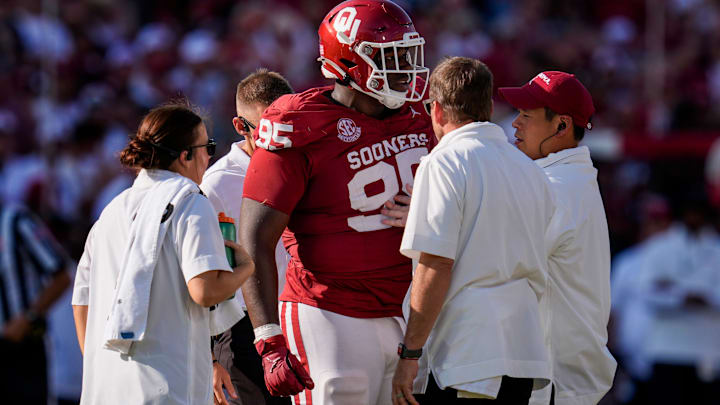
column 331, row 169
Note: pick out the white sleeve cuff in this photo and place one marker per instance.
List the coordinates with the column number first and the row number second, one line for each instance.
column 413, row 245
column 81, row 295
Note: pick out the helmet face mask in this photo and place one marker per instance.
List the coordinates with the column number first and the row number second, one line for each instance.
column 400, row 64
column 372, row 46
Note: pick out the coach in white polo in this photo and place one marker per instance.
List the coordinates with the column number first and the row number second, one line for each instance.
column 555, row 109
column 477, row 221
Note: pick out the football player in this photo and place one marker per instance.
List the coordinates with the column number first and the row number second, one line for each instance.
column 327, row 161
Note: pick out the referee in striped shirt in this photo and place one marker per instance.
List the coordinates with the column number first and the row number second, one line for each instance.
column 33, row 276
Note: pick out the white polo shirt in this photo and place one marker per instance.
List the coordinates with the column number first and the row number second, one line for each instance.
column 172, row 364
column 483, row 203
column 578, row 295
column 223, row 184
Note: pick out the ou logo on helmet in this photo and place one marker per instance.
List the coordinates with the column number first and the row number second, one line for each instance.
column 344, row 21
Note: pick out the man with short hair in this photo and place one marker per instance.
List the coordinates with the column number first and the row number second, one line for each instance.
column 555, row 109
column 223, row 184
column 477, row 222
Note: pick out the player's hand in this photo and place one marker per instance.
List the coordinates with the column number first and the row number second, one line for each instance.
column 402, row 384
column 221, row 378
column 397, row 209
column 284, row 374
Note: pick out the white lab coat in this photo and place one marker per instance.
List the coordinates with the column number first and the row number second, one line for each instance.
column 172, row 364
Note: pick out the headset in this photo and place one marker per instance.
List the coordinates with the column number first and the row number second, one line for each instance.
column 561, row 126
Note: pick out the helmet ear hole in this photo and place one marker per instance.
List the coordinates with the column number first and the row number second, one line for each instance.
column 347, row 63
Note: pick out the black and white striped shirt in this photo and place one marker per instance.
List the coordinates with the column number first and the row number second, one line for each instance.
column 29, row 256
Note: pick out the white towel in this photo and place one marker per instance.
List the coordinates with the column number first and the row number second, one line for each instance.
column 127, row 320
column 226, row 314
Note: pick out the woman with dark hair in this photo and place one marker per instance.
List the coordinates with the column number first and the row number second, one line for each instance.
column 153, row 262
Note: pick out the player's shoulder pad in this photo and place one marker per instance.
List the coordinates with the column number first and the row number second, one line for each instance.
column 295, row 120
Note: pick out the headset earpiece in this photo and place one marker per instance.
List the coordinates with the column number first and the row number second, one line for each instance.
column 560, row 127
column 189, row 154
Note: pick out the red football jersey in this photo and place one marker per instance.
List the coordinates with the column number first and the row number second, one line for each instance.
column 331, row 169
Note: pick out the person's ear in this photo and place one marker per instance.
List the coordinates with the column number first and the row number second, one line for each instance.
column 238, row 125
column 564, row 124
column 184, row 156
column 438, row 113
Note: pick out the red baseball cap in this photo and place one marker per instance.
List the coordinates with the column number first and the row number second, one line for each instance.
column 559, row 91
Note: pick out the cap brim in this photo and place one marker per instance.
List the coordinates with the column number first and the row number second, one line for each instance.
column 520, row 97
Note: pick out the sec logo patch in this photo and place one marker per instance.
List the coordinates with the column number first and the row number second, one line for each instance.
column 347, row 130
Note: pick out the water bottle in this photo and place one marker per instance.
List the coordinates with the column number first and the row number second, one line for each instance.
column 227, row 228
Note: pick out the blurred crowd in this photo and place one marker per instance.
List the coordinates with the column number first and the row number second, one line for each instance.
column 77, row 75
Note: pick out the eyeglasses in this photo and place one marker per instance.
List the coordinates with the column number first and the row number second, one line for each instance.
column 427, row 104
column 248, row 126
column 210, row 146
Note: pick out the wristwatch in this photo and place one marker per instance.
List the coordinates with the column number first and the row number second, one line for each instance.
column 408, row 354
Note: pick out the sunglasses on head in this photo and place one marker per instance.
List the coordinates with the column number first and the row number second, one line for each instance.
column 247, row 125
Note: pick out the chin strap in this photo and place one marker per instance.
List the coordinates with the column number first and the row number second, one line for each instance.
column 395, row 100
column 389, row 102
